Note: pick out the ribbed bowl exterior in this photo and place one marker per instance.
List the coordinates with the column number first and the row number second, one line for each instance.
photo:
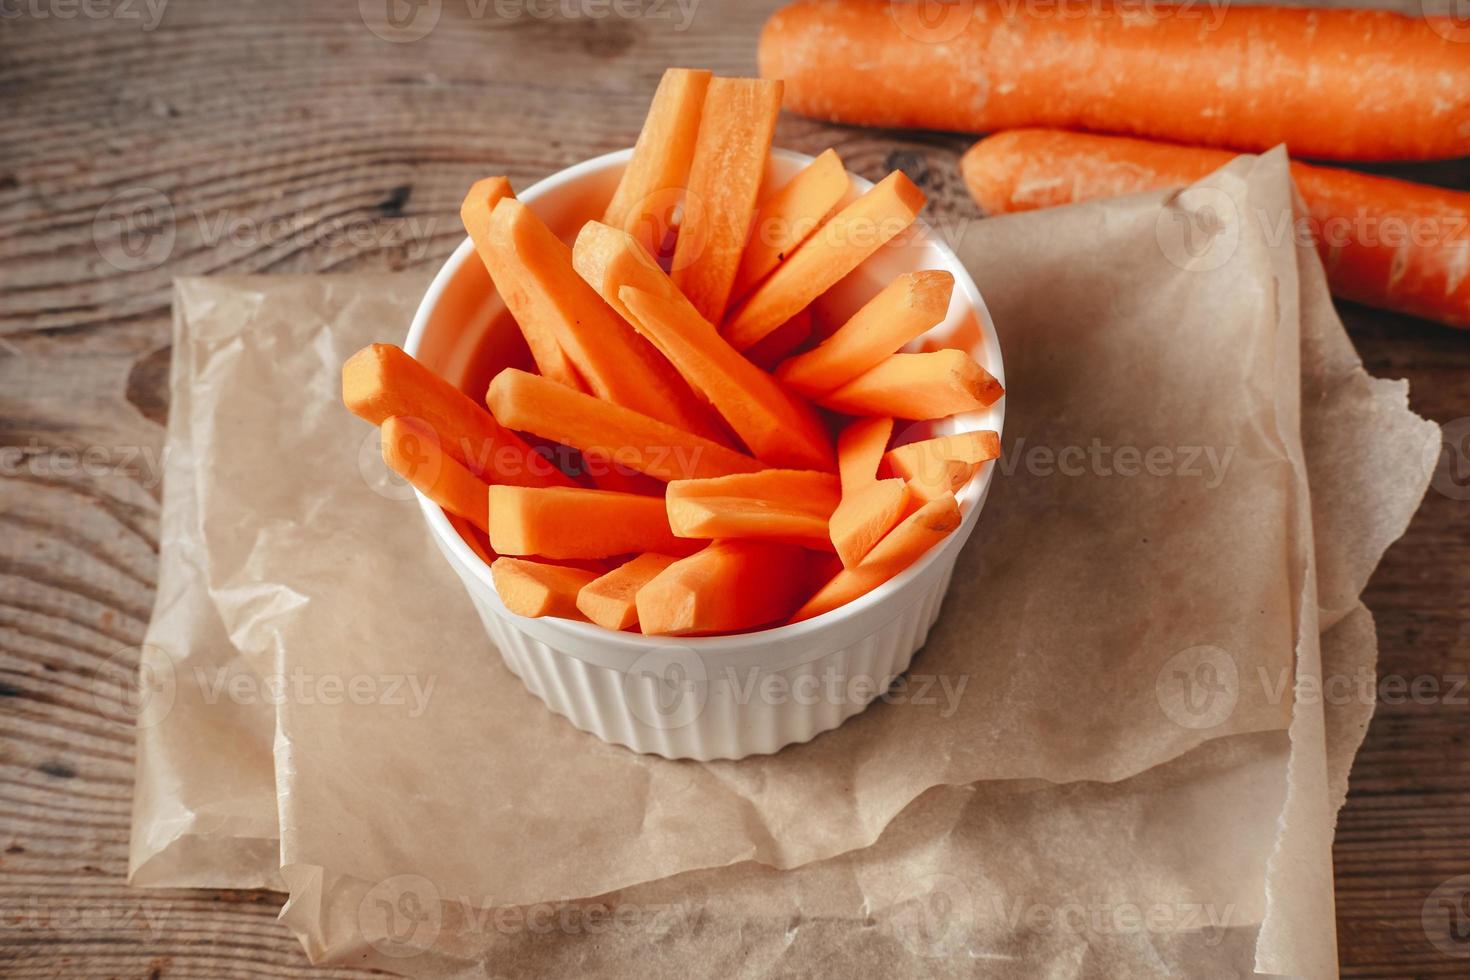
column 730, row 712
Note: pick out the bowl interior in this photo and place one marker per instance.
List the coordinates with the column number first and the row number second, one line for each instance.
column 463, row 331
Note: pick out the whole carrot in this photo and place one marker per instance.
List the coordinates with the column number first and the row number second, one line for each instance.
column 1333, row 84
column 1385, row 243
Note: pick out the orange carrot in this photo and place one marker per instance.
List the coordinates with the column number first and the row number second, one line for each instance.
column 918, row 386
column 559, row 522
column 1242, row 77
column 792, row 506
column 381, row 381
column 413, row 451
column 899, row 549
column 735, row 131
column 832, row 251
column 1385, row 243
column 780, row 343
column 616, row 364
column 943, row 464
column 533, row 588
column 779, row 428
column 611, row 601
column 533, row 404
column 609, row 259
column 865, row 515
column 728, row 586
column 605, row 474
column 527, row 304
column 652, row 186
column 860, row 449
column 789, row 216
column 907, row 307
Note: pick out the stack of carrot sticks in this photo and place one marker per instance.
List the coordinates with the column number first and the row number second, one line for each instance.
column 1337, row 85
column 723, row 462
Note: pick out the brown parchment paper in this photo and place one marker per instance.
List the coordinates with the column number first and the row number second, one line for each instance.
column 359, row 811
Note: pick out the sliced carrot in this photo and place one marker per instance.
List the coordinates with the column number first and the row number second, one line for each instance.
column 906, row 307
column 533, row 588
column 788, row 217
column 865, row 515
column 611, row 600
column 860, row 449
column 533, row 404
column 918, row 386
column 832, row 251
column 609, row 259
column 527, row 303
column 780, row 429
column 735, row 131
column 608, row 475
column 791, row 506
column 617, row 365
column 899, row 549
column 381, row 381
column 943, row 464
column 560, row 522
column 413, row 451
column 651, row 187
column 781, row 343
column 726, row 587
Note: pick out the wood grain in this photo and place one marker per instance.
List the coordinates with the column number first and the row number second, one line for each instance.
column 287, row 137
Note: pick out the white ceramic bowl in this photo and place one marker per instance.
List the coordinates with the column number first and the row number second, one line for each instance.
column 721, row 697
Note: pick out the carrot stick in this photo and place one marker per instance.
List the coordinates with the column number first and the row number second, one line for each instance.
column 860, row 449
column 381, row 381
column 528, row 304
column 616, row 364
column 652, row 186
column 918, row 386
column 611, row 601
column 413, row 451
column 780, row 429
column 1385, row 243
column 832, row 251
column 1242, row 77
column 533, row 588
column 780, row 343
column 728, row 586
column 865, row 515
column 533, row 404
column 735, row 131
column 789, row 216
column 559, row 522
column 792, row 506
column 608, row 475
column 899, row 549
column 906, row 307
column 935, row 467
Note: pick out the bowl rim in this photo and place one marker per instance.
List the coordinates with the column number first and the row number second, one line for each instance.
column 971, row 497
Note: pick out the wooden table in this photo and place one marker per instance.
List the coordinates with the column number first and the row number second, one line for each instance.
column 287, row 137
